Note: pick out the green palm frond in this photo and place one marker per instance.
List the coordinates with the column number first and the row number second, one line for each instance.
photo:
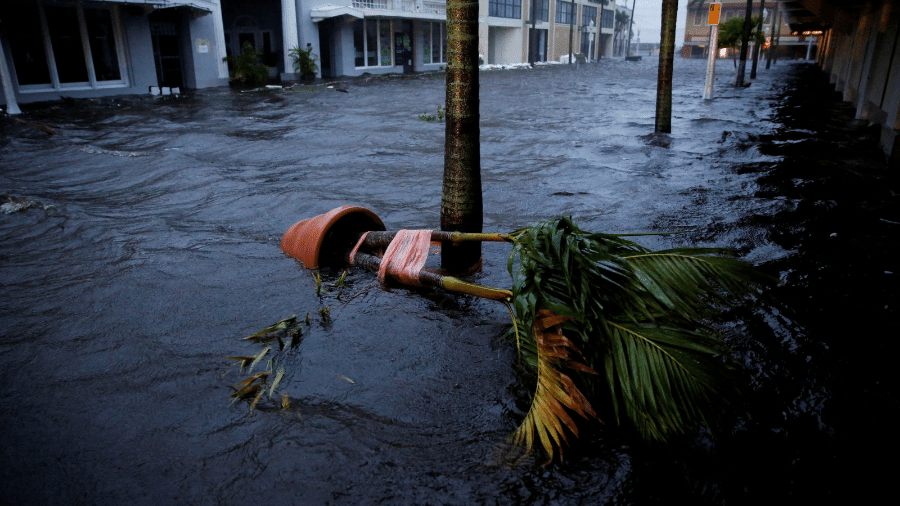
column 638, row 316
column 693, row 282
column 666, row 379
column 555, row 394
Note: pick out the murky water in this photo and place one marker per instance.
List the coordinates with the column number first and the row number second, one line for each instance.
column 148, row 246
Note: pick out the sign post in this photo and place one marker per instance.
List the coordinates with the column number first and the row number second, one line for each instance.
column 714, row 11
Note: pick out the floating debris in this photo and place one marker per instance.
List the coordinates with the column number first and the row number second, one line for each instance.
column 14, row 204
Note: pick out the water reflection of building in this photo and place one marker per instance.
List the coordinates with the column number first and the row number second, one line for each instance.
column 787, row 44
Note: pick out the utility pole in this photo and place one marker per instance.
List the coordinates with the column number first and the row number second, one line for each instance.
column 531, row 36
column 772, row 37
column 630, row 24
column 714, row 10
column 571, row 30
column 777, row 37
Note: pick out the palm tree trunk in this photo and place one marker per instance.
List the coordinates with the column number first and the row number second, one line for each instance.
column 461, row 200
column 756, row 48
column 666, row 62
column 745, row 41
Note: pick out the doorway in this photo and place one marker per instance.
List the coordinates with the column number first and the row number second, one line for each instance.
column 326, row 47
column 165, row 34
column 403, row 47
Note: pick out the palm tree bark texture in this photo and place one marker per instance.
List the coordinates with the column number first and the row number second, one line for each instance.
column 461, row 199
column 745, row 42
column 666, row 63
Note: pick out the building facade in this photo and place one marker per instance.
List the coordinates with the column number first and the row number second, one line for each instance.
column 559, row 28
column 783, row 41
column 91, row 48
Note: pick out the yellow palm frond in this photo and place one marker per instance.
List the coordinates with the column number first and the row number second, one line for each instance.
column 556, row 393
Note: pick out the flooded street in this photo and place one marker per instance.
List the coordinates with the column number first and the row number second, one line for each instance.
column 140, row 243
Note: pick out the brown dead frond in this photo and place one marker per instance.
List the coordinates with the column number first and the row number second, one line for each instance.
column 556, row 393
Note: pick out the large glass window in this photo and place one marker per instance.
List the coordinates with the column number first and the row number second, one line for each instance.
column 505, row 8
column 386, row 49
column 64, row 46
column 26, row 42
column 103, row 44
column 434, row 43
column 607, row 18
column 372, row 43
column 68, row 49
column 565, row 12
column 588, row 16
column 542, row 10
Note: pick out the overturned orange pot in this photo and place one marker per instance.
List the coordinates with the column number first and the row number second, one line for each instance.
column 326, row 238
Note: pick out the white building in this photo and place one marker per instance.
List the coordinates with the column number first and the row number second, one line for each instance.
column 89, row 48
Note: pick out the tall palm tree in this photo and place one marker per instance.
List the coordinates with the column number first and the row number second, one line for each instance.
column 666, row 63
column 755, row 58
column 745, row 41
column 622, row 20
column 461, row 199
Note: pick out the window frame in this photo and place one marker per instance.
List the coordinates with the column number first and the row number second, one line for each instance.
column 428, row 43
column 542, row 12
column 561, row 16
column 53, row 69
column 509, row 9
column 378, row 40
column 585, row 18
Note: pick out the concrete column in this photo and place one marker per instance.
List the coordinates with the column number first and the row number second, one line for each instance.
column 12, row 107
column 219, row 27
column 865, row 71
column 290, row 38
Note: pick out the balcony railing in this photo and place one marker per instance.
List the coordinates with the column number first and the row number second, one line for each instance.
column 411, row 6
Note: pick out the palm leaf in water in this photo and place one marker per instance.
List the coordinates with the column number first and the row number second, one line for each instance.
column 555, row 394
column 636, row 315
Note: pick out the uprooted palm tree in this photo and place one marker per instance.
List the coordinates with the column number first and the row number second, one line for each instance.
column 609, row 329
column 607, row 325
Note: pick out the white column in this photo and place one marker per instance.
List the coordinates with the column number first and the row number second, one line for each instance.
column 219, row 26
column 290, row 38
column 6, row 81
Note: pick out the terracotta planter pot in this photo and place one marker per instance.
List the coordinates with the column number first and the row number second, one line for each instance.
column 326, row 238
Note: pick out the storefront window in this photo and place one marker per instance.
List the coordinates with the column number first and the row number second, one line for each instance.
column 384, row 42
column 103, row 44
column 435, row 44
column 26, row 42
column 372, row 43
column 83, row 49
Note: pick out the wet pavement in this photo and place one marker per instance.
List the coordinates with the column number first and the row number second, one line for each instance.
column 140, row 243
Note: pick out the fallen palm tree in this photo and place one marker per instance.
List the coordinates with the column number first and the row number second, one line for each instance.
column 603, row 323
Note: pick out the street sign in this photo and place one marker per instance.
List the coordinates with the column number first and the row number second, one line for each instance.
column 714, row 10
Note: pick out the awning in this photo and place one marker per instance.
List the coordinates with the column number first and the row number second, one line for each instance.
column 326, row 11
column 197, row 5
